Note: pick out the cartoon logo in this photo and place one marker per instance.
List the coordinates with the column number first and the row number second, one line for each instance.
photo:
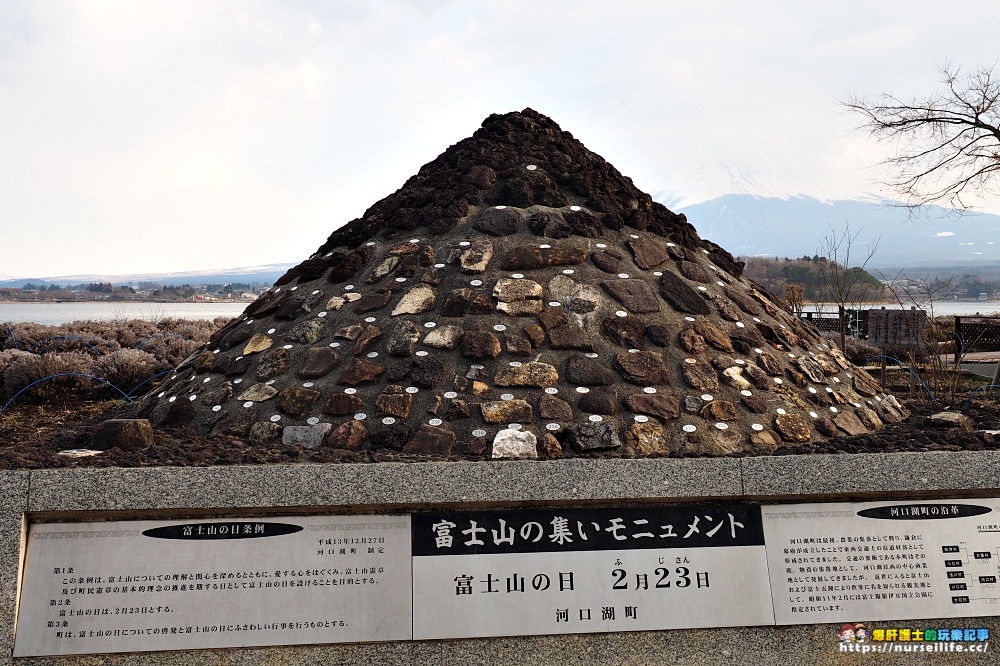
column 847, row 633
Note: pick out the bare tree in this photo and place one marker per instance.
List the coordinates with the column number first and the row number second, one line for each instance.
column 848, row 284
column 947, row 144
column 795, row 297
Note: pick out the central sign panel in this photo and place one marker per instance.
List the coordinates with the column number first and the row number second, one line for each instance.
column 588, row 570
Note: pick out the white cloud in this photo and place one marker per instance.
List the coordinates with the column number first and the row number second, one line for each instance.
column 170, row 136
column 942, row 234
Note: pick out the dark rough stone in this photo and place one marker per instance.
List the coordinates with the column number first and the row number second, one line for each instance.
column 770, row 364
column 713, row 336
column 431, row 441
column 536, row 334
column 290, row 309
column 203, row 361
column 351, row 436
column 368, row 337
column 811, row 369
column 517, row 346
column 727, row 310
column 498, row 222
column 700, row 376
column 593, row 437
column 754, row 404
column 427, row 372
column 628, row 332
column 553, row 317
column 644, row 368
column 297, row 401
column 123, row 434
column 825, row 426
column 719, row 410
column 550, row 225
column 682, row 297
column 865, row 384
column 462, row 302
column 692, row 404
column 273, row 364
column 393, row 436
column 180, row 413
column 555, row 409
column 528, row 258
column 598, row 402
column 850, row 423
column 756, row 376
column 693, row 271
column 742, row 301
column 341, row 404
column 792, row 428
column 691, row 342
column 218, row 395
column 607, row 260
column 397, row 370
column 481, row 176
column 659, row 335
column 570, row 336
column 371, row 302
column 262, row 434
column 656, row 404
column 360, row 371
column 307, row 333
column 318, row 362
column 551, row 446
column 584, row 223
column 589, row 372
column 636, row 295
column 394, row 401
column 456, row 409
column 349, row 332
column 480, row 345
column 648, row 253
column 403, row 339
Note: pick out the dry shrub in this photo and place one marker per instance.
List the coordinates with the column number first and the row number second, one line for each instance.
column 857, row 351
column 127, row 368
column 27, row 369
column 170, row 351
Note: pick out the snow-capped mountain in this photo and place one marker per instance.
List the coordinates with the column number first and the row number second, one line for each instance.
column 707, row 182
column 796, row 226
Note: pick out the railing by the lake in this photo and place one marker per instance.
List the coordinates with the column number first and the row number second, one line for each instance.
column 978, row 333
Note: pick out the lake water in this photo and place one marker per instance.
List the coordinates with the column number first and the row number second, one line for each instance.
column 62, row 313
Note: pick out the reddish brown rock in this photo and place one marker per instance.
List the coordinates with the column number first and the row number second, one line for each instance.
column 528, row 258
column 720, row 410
column 123, row 434
column 555, row 409
column 273, row 364
column 351, row 436
column 657, row 404
column 360, row 371
column 297, row 401
column 644, row 368
column 681, row 296
column 341, row 404
column 394, row 401
column 431, row 441
column 793, row 428
column 648, row 252
column 713, row 336
column 635, row 295
column 480, row 345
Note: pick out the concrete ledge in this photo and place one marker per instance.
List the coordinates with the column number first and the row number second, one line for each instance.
column 838, row 476
column 13, row 504
column 384, row 484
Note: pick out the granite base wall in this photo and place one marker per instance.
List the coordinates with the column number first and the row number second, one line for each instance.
column 115, row 494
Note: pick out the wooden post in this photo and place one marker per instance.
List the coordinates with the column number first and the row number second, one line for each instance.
column 882, row 374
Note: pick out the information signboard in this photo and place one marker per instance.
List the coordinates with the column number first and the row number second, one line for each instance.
column 883, row 560
column 168, row 585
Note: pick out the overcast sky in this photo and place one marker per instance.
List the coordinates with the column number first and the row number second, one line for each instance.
column 166, row 136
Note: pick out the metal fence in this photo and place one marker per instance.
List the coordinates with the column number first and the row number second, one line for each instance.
column 978, row 333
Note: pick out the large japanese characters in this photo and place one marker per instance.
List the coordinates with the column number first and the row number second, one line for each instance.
column 519, row 298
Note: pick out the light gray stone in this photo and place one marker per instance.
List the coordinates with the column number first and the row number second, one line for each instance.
column 515, row 444
column 308, row 436
column 418, row 299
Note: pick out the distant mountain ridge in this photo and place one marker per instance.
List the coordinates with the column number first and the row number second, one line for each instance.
column 752, row 225
column 266, row 274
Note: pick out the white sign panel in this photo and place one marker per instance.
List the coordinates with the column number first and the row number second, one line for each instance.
column 588, row 570
column 172, row 585
column 883, row 560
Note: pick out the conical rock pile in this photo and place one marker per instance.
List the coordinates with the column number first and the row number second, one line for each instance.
column 519, row 297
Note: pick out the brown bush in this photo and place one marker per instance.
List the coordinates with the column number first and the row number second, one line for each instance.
column 127, row 368
column 27, row 369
